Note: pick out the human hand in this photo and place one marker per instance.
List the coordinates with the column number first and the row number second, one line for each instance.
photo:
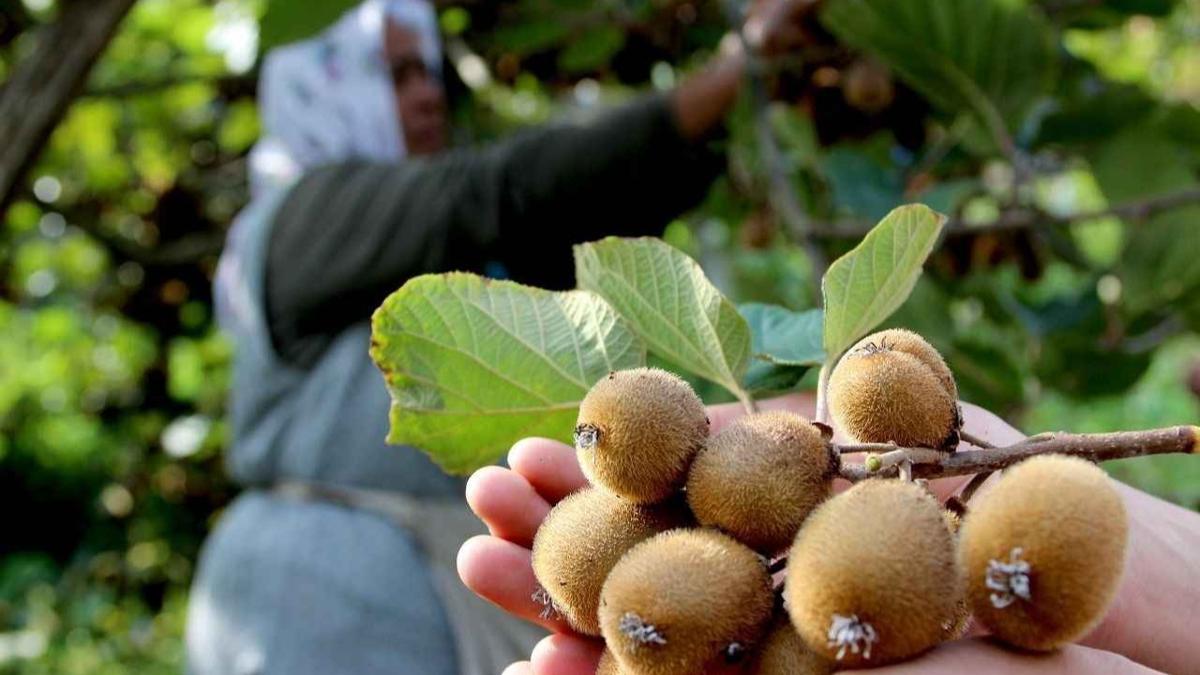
column 777, row 27
column 1148, row 623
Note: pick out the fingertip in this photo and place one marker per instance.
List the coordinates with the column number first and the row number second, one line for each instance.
column 519, row 668
column 477, row 492
column 550, row 467
column 468, row 560
column 558, row 654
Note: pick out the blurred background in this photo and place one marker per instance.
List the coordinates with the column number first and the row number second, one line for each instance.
column 1063, row 136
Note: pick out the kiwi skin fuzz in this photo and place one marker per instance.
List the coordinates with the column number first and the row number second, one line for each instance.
column 1064, row 519
column 581, row 539
column 879, row 395
column 902, row 340
column 638, row 431
column 608, row 665
column 880, row 557
column 759, row 478
column 675, row 603
column 782, row 652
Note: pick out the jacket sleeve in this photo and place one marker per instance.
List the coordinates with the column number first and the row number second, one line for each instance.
column 349, row 234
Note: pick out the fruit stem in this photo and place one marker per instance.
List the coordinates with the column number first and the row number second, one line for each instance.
column 823, row 392
column 1094, row 447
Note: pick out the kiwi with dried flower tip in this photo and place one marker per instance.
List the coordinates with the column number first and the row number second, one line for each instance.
column 872, row 578
column 685, row 602
column 782, row 652
column 879, row 395
column 904, row 340
column 581, row 539
column 638, row 431
column 1044, row 550
column 759, row 478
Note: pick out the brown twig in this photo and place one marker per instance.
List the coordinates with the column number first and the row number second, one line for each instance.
column 1019, row 218
column 1094, row 447
column 974, row 440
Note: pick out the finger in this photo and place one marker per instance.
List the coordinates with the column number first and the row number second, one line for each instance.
column 507, row 503
column 519, row 668
column 549, row 466
column 502, row 573
column 566, row 655
column 980, row 655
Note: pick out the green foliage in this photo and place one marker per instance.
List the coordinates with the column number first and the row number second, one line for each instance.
column 784, row 344
column 474, row 364
column 668, row 301
column 865, row 286
column 988, row 57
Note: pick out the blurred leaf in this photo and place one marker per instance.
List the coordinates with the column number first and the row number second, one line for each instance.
column 1159, row 263
column 531, row 35
column 290, row 20
column 784, row 344
column 474, row 364
column 861, row 185
column 591, row 50
column 983, row 56
column 863, row 287
column 668, row 301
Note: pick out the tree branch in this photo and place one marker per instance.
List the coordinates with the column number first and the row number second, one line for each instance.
column 39, row 91
column 1024, row 217
column 927, row 463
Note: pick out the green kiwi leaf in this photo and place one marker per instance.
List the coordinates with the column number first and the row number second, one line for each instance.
column 474, row 364
column 784, row 344
column 668, row 301
column 864, row 287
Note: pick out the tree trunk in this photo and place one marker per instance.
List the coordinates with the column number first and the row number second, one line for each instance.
column 41, row 87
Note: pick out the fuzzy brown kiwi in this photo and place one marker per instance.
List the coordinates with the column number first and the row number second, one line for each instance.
column 582, row 538
column 903, row 340
column 872, row 578
column 782, row 652
column 685, row 602
column 1043, row 551
column 881, row 395
column 638, row 431
column 760, row 477
column 608, row 665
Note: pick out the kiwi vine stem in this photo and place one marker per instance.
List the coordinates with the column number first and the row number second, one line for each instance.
column 929, row 463
column 974, row 440
column 822, row 415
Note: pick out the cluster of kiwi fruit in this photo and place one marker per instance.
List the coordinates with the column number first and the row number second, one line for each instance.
column 694, row 553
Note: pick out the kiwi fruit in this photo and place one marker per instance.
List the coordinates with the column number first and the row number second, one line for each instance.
column 879, row 393
column 759, row 478
column 782, row 652
column 867, row 86
column 903, row 340
column 638, row 431
column 608, row 665
column 872, row 577
column 1043, row 551
column 581, row 539
column 685, row 602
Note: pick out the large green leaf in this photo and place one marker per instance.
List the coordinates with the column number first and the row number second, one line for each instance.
column 475, row 364
column 784, row 345
column 290, row 20
column 990, row 57
column 863, row 287
column 669, row 302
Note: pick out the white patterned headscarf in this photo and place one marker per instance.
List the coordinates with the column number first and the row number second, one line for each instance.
column 331, row 97
column 327, row 99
